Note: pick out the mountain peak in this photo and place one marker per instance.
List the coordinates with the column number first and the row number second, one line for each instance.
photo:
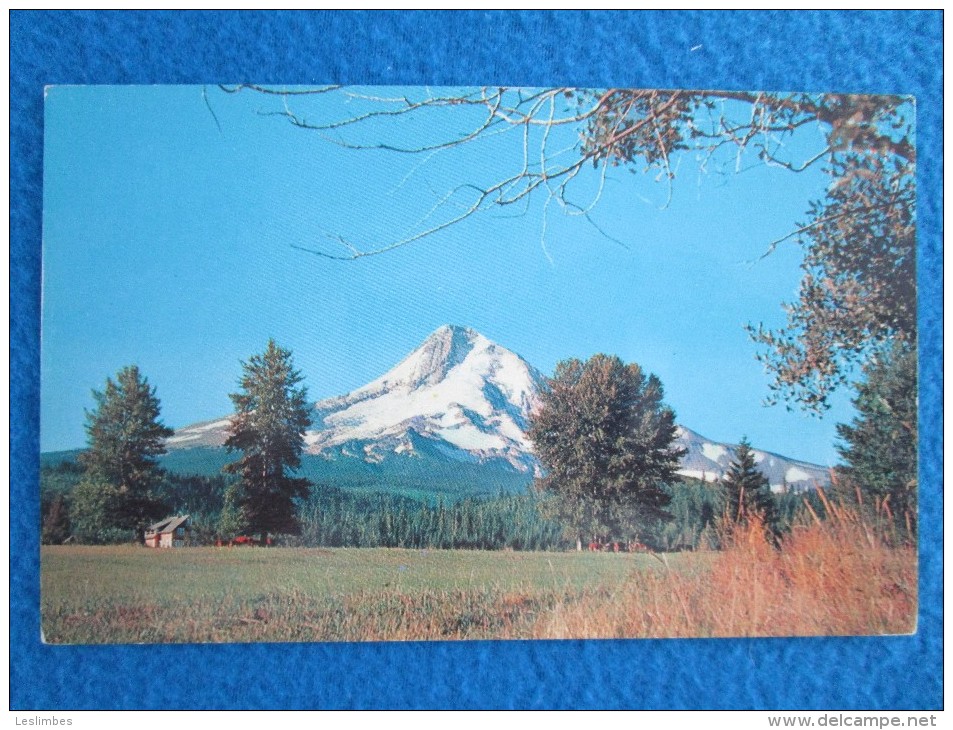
column 446, row 348
column 453, row 329
column 456, row 388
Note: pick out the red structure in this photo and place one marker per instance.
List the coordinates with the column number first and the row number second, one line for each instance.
column 241, row 540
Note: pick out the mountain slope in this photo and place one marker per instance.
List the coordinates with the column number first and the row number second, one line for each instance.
column 458, row 390
column 709, row 460
column 460, row 398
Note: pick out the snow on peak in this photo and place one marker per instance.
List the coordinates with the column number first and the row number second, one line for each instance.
column 446, row 348
column 456, row 386
column 708, row 460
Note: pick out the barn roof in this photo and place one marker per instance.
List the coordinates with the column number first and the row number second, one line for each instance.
column 168, row 524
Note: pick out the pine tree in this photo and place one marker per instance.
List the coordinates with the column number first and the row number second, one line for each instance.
column 271, row 415
column 880, row 446
column 125, row 438
column 747, row 491
column 605, row 439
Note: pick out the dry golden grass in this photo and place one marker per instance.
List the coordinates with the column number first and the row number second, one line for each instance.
column 830, row 578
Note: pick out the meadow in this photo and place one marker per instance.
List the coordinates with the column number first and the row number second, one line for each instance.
column 832, row 578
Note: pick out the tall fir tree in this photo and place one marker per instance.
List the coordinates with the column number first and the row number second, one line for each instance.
column 748, row 491
column 125, row 439
column 880, row 445
column 605, row 439
column 271, row 415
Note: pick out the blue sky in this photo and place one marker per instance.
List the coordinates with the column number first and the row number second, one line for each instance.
column 169, row 239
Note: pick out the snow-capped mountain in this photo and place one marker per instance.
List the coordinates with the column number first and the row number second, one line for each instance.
column 459, row 393
column 708, row 460
column 468, row 395
column 460, row 397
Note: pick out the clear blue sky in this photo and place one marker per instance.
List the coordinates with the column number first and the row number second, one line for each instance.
column 169, row 234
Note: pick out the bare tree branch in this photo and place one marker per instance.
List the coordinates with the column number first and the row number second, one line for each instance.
column 858, row 288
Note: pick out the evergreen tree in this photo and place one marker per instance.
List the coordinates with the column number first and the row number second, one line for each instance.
column 96, row 514
column 125, row 438
column 271, row 415
column 605, row 438
column 747, row 490
column 880, row 446
column 694, row 507
column 232, row 520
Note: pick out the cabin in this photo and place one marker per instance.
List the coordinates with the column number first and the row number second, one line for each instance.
column 170, row 532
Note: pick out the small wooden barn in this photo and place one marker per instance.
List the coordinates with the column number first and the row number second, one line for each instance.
column 170, row 532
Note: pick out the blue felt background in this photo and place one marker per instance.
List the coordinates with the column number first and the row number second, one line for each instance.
column 897, row 52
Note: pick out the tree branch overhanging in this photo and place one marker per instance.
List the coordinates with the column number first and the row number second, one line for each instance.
column 858, row 290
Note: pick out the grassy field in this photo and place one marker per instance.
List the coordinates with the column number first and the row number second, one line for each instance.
column 130, row 594
column 831, row 579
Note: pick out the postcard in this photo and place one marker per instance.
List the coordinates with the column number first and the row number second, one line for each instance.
column 426, row 363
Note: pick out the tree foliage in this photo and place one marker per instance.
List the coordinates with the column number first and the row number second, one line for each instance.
column 337, row 517
column 125, row 438
column 604, row 437
column 271, row 415
column 231, row 521
column 880, row 445
column 95, row 513
column 747, row 491
column 56, row 524
column 857, row 291
column 694, row 507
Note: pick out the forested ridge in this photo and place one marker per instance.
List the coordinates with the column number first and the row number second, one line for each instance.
column 336, row 517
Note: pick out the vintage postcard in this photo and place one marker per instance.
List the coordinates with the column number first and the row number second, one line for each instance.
column 373, row 364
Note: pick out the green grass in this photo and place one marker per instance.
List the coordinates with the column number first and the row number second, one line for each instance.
column 130, row 594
